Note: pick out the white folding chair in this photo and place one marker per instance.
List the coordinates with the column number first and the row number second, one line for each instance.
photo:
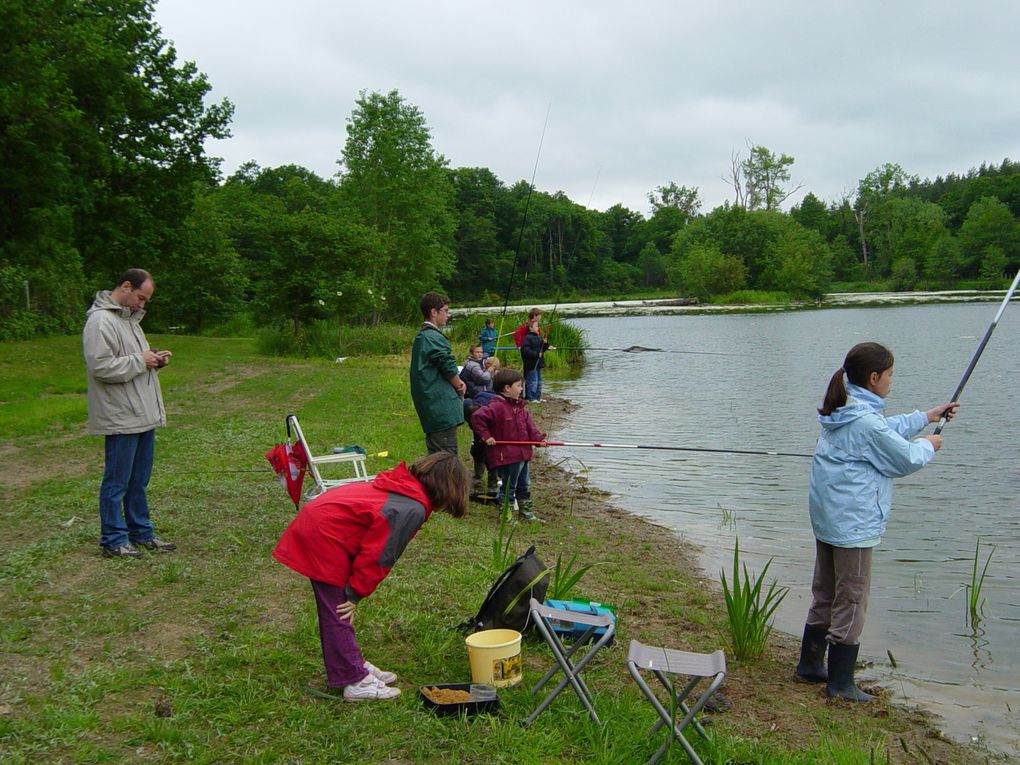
column 662, row 662
column 355, row 458
column 543, row 616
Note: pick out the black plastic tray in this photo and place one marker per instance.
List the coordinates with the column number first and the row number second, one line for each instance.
column 467, row 707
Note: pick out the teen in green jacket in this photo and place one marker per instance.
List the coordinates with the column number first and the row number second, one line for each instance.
column 436, row 388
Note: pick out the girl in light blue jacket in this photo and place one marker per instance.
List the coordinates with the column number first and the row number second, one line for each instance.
column 859, row 452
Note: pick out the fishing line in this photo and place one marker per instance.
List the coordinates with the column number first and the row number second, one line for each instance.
column 980, row 350
column 765, row 453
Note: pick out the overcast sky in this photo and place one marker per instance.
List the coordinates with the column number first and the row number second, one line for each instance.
column 638, row 94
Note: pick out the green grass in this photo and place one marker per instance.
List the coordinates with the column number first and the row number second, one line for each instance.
column 204, row 655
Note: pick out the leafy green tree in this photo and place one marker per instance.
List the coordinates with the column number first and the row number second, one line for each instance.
column 652, row 266
column 989, row 223
column 483, row 258
column 758, row 181
column 944, row 261
column 306, row 256
column 203, row 281
column 874, row 214
column 993, row 263
column 811, row 213
column 704, row 271
column 102, row 142
column 397, row 185
column 681, row 198
column 904, row 274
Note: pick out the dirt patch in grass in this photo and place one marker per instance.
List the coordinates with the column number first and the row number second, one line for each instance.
column 764, row 700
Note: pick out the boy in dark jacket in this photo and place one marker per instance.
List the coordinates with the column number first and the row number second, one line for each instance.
column 532, row 350
column 506, row 419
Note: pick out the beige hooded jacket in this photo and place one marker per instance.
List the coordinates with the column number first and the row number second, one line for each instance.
column 124, row 396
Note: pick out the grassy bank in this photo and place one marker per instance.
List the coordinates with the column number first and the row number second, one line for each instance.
column 204, row 655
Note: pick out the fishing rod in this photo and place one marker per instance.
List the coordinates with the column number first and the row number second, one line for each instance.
column 524, row 220
column 765, row 453
column 980, row 350
column 631, row 349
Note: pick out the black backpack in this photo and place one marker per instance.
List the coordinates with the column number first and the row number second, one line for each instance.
column 508, row 604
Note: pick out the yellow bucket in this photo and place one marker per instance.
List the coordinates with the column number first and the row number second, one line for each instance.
column 495, row 657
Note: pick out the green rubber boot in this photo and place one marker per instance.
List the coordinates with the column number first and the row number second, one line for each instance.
column 527, row 512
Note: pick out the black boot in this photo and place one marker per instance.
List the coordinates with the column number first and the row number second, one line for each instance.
column 842, row 659
column 811, row 668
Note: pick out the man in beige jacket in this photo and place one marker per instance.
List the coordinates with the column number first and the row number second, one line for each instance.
column 125, row 406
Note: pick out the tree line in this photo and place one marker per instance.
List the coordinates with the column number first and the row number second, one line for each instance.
column 101, row 140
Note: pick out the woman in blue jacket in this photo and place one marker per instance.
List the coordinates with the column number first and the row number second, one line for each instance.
column 858, row 454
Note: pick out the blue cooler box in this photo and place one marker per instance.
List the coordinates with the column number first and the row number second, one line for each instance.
column 572, row 630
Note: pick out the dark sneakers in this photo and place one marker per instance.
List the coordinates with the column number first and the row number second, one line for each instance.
column 157, row 545
column 122, row 551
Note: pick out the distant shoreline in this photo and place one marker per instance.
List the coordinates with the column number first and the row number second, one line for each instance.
column 668, row 306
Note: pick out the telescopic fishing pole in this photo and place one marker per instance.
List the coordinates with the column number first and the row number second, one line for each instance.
column 764, row 453
column 981, row 348
column 631, row 349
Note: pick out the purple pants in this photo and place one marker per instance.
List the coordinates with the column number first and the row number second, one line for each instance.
column 340, row 652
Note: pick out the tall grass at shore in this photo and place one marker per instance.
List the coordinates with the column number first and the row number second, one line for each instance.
column 206, row 654
column 326, row 339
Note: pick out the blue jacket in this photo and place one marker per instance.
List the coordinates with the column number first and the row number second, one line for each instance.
column 858, row 454
column 487, row 337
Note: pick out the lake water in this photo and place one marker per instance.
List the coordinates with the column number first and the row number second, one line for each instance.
column 763, row 397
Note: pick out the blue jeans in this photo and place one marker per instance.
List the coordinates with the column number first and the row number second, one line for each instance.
column 533, row 385
column 517, row 480
column 123, row 507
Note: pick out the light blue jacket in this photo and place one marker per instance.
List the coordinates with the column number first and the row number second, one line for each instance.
column 858, row 454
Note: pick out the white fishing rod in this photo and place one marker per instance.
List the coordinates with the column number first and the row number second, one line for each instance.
column 980, row 350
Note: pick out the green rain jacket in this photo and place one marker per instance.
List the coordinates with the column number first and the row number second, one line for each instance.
column 432, row 365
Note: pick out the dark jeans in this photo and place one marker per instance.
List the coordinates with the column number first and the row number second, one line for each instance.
column 517, row 480
column 533, row 385
column 123, row 506
column 442, row 441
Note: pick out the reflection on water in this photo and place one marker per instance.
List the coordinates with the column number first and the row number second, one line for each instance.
column 763, row 398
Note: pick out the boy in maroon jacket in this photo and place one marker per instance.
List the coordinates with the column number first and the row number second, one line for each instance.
column 504, row 419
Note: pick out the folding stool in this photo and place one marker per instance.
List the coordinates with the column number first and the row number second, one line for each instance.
column 542, row 616
column 662, row 662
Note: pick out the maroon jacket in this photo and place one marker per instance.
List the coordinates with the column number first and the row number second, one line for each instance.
column 352, row 535
column 505, row 419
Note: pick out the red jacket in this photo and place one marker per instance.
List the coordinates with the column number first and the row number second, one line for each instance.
column 505, row 419
column 352, row 535
column 521, row 332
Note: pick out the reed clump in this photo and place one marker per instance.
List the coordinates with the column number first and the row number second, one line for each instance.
column 750, row 607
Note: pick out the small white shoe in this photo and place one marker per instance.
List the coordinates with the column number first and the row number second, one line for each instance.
column 370, row 689
column 381, row 675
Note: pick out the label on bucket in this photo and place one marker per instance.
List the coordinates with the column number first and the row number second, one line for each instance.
column 507, row 669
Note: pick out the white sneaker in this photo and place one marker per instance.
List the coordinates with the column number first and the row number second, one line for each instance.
column 381, row 675
column 370, row 689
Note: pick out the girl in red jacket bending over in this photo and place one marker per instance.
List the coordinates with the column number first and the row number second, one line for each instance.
column 347, row 539
column 505, row 418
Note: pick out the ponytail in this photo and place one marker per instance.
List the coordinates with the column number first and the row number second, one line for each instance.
column 835, row 394
column 860, row 362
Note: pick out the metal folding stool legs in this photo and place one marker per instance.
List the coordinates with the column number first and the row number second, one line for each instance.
column 662, row 662
column 542, row 616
